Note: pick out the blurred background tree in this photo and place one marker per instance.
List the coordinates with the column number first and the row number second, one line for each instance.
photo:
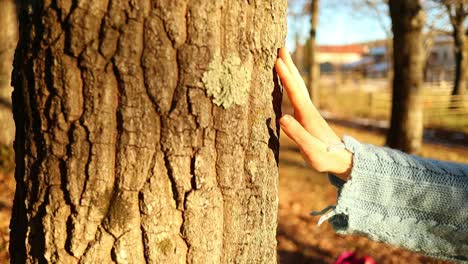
column 307, row 59
column 406, row 123
column 456, row 12
column 371, row 59
column 314, row 70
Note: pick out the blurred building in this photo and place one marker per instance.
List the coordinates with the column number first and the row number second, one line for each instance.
column 333, row 58
column 373, row 59
column 373, row 64
column 440, row 63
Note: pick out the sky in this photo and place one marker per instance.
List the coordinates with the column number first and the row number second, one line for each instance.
column 337, row 25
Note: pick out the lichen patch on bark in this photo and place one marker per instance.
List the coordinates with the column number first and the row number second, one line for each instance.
column 222, row 81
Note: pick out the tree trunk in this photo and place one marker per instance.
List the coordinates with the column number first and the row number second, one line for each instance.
column 406, row 125
column 461, row 59
column 8, row 38
column 147, row 131
column 314, row 71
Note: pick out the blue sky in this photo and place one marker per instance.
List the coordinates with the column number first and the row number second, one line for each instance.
column 338, row 25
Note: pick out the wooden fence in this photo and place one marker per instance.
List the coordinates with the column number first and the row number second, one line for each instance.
column 440, row 108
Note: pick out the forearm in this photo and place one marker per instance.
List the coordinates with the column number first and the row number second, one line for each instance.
column 405, row 200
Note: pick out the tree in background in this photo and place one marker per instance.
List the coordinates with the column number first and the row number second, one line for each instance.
column 457, row 11
column 378, row 9
column 147, row 131
column 309, row 8
column 450, row 19
column 406, row 124
column 314, row 69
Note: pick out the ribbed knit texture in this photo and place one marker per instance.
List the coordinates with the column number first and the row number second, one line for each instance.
column 405, row 200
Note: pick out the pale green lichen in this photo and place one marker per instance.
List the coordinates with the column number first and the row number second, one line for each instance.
column 165, row 246
column 228, row 81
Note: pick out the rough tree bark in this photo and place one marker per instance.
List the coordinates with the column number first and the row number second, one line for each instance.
column 8, row 38
column 146, row 131
column 406, row 125
column 314, row 70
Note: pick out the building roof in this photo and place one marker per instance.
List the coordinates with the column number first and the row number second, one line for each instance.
column 350, row 48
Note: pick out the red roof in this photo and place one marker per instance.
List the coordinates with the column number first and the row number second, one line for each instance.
column 351, row 48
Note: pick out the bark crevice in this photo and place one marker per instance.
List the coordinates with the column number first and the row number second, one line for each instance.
column 121, row 155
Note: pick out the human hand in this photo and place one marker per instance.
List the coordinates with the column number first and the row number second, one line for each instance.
column 308, row 128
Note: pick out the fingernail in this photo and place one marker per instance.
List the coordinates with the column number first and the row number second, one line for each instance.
column 285, row 119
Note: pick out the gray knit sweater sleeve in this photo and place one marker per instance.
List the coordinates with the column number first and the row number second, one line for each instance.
column 420, row 204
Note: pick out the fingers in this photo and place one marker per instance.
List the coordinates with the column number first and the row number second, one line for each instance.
column 298, row 100
column 306, row 142
column 314, row 150
column 304, row 110
column 284, row 55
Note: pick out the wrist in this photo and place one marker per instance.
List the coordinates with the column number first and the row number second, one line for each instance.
column 342, row 163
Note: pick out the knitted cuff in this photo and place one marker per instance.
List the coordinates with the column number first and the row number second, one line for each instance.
column 403, row 200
